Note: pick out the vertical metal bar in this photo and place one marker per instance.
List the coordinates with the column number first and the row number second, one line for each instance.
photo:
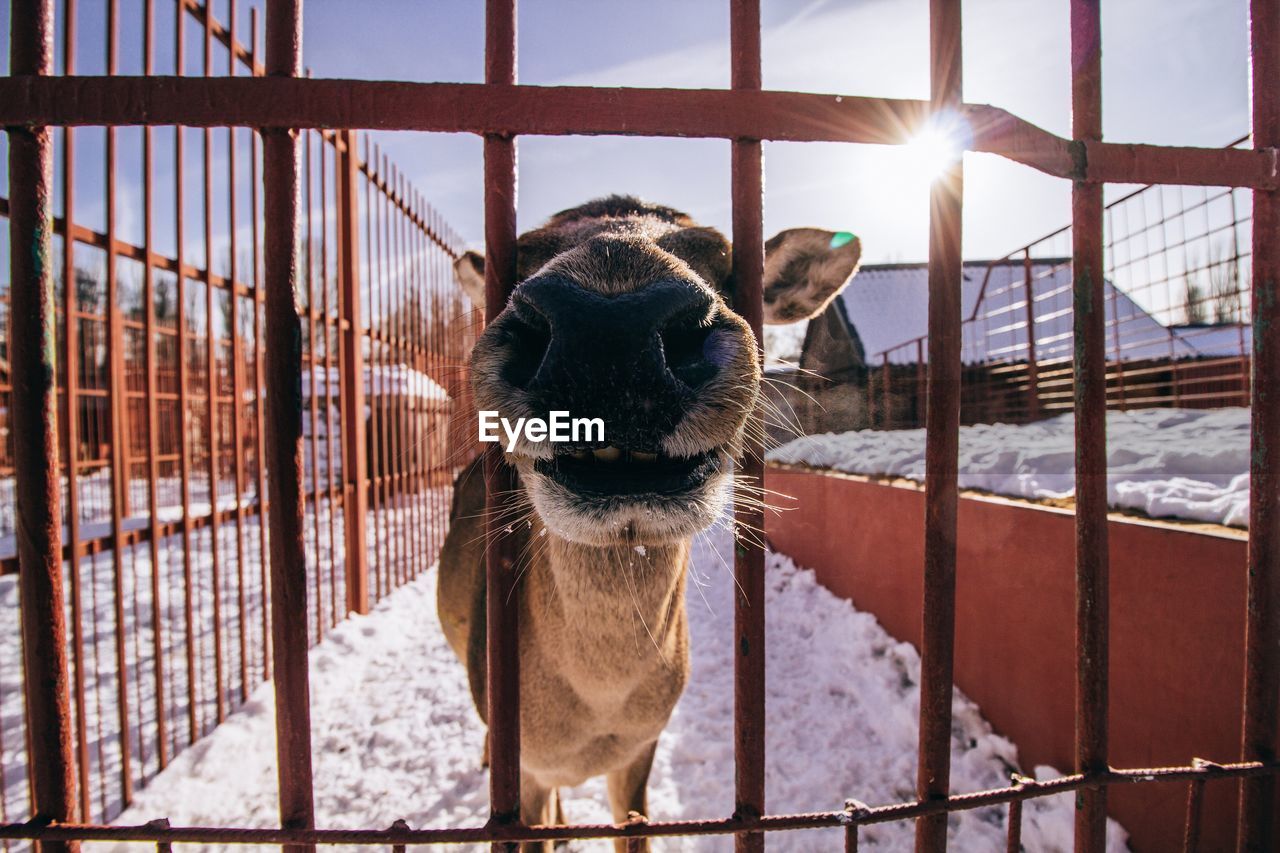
column 1033, row 365
column 374, row 199
column 403, row 390
column 886, row 377
column 921, row 383
column 237, row 397
column 260, row 379
column 1013, row 838
column 330, row 334
column 284, row 424
column 188, row 575
column 747, row 168
column 1258, row 818
column 211, row 395
column 115, row 404
column 153, row 415
column 942, row 436
column 1195, row 810
column 71, row 363
column 1089, row 309
column 308, row 140
column 35, row 437
column 355, row 501
column 409, row 389
column 384, row 401
column 503, row 668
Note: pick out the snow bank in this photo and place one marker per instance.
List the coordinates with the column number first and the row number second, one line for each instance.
column 395, row 734
column 1169, row 463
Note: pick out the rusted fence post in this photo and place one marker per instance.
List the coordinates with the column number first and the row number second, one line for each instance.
column 748, row 554
column 284, row 437
column 1089, row 309
column 503, row 658
column 355, row 475
column 1033, row 366
column 942, row 425
column 1258, row 819
column 32, row 348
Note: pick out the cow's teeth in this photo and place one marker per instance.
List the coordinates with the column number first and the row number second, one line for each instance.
column 608, row 454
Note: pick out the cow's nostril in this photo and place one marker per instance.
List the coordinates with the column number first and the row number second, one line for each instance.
column 528, row 337
column 684, row 350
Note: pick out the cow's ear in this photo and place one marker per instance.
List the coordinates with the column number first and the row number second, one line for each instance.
column 469, row 271
column 804, row 269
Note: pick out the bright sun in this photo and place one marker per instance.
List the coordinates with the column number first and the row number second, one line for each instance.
column 931, row 151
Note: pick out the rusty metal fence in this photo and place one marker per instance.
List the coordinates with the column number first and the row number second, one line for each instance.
column 159, row 350
column 283, row 101
column 1177, row 302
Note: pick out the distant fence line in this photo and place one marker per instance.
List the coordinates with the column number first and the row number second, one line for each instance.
column 161, row 426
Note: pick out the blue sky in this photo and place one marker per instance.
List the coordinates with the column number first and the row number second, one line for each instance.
column 1175, row 72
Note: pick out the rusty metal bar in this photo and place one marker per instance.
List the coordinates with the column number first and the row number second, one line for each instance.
column 153, row 428
column 184, row 405
column 1090, row 372
column 32, row 347
column 376, row 205
column 71, row 378
column 749, row 603
column 1258, row 819
column 355, row 500
column 312, row 365
column 1033, row 366
column 1195, row 812
column 211, row 399
column 260, row 379
column 558, row 110
column 1013, row 837
column 119, row 436
column 284, row 438
column 886, row 377
column 723, row 826
column 237, row 391
column 330, row 364
column 502, row 608
column 933, row 775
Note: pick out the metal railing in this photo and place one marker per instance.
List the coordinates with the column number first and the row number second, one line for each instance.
column 501, row 110
column 1177, row 302
column 160, row 355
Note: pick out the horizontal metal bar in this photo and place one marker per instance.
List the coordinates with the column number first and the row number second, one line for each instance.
column 854, row 816
column 576, row 110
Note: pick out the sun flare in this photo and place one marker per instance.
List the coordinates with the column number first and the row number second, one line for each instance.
column 931, row 151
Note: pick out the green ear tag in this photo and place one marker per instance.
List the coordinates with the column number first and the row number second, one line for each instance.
column 841, row 238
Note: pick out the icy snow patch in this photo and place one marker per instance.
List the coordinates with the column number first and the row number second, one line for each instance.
column 1191, row 464
column 395, row 734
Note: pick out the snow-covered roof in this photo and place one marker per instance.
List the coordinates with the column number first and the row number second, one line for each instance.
column 888, row 306
column 1227, row 339
column 384, row 380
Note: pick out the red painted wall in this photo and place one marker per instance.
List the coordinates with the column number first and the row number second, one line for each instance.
column 1177, row 627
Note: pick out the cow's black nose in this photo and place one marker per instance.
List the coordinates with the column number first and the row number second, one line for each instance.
column 634, row 359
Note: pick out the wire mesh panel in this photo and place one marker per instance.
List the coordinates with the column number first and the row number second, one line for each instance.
column 368, row 336
column 1177, row 263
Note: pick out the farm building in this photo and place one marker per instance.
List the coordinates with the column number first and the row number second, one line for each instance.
column 861, row 362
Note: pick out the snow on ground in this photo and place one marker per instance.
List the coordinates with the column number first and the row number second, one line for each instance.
column 325, row 565
column 395, row 734
column 1190, row 464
